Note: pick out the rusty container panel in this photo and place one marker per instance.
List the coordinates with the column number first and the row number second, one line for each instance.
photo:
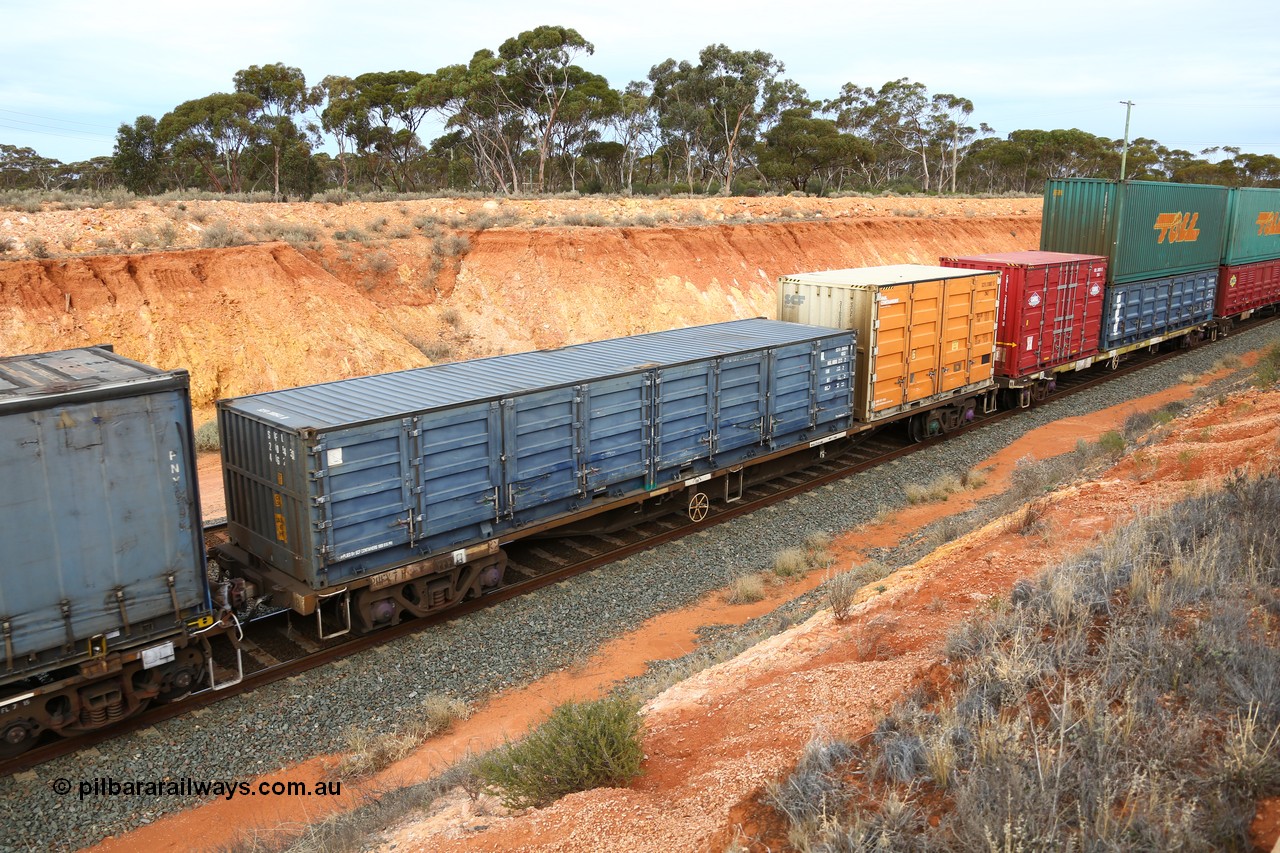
column 1253, row 226
column 1246, row 287
column 1146, row 229
column 1050, row 307
column 925, row 334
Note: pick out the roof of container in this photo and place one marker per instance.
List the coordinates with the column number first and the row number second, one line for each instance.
column 885, row 276
column 1032, row 258
column 370, row 398
column 68, row 371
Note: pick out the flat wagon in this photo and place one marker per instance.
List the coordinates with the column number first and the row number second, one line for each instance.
column 392, row 495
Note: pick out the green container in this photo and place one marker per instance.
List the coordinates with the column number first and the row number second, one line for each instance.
column 1146, row 229
column 1253, row 226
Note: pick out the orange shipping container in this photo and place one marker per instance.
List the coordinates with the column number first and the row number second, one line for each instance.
column 926, row 335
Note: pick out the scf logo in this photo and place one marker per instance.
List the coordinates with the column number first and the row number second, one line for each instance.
column 1177, row 227
column 1268, row 224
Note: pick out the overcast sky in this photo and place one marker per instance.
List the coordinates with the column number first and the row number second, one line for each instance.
column 1201, row 74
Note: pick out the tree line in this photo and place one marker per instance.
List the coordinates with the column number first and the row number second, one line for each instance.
column 527, row 118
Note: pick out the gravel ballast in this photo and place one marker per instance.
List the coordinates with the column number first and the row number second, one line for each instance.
column 505, row 646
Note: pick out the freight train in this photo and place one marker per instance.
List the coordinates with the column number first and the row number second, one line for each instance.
column 365, row 501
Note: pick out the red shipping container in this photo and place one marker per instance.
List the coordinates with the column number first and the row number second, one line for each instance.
column 1245, row 287
column 1050, row 309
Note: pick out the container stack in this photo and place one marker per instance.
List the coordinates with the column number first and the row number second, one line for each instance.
column 1250, row 274
column 1164, row 243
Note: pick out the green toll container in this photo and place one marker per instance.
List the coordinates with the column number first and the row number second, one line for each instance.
column 1146, row 229
column 1253, row 226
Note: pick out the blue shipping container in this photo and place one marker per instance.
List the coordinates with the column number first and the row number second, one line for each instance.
column 1143, row 311
column 347, row 479
column 100, row 532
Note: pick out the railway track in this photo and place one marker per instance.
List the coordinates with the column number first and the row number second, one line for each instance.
column 278, row 647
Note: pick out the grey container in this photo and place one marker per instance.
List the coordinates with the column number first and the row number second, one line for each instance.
column 332, row 482
column 100, row 535
column 1145, row 311
column 1253, row 226
column 1146, row 229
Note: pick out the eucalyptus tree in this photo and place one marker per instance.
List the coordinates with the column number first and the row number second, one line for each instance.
column 341, row 117
column 23, row 168
column 473, row 99
column 539, row 79
column 213, row 131
column 800, row 149
column 583, row 114
column 682, row 115
column 634, row 128
column 738, row 87
column 715, row 109
column 139, row 156
column 283, row 93
column 391, row 111
column 950, row 133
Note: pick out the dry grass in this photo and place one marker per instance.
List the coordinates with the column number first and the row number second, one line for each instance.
column 935, row 491
column 1129, row 699
column 368, row 752
column 745, row 589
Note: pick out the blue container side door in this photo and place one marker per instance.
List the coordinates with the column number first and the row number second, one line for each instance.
column 540, row 445
column 741, row 384
column 833, row 379
column 1156, row 300
column 616, row 434
column 1192, row 298
column 460, row 471
column 682, row 414
column 368, row 503
column 794, row 370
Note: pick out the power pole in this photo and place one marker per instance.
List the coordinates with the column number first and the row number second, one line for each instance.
column 1124, row 152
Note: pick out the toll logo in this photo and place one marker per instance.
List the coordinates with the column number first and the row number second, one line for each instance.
column 1268, row 224
column 1177, row 227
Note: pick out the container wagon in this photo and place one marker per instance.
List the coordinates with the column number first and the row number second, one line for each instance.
column 103, row 595
column 1250, row 275
column 391, row 495
column 1164, row 246
column 925, row 339
column 1049, row 316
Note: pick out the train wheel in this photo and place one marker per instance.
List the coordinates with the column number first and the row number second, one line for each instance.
column 915, row 428
column 17, row 738
column 699, row 506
